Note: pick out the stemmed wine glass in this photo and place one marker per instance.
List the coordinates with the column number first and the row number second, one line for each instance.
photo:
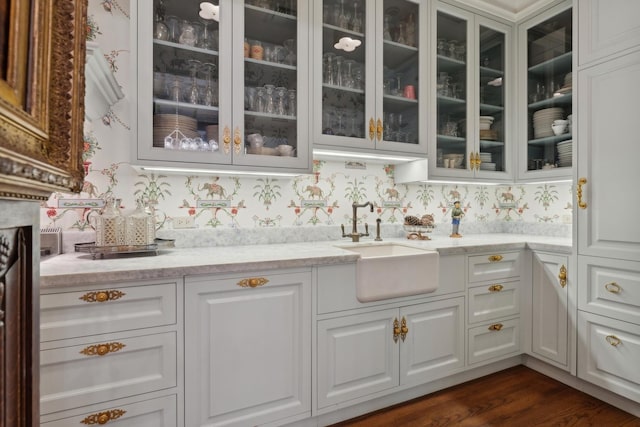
column 194, row 93
column 210, row 98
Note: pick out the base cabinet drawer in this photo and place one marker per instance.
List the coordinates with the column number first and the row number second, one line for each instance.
column 493, row 301
column 609, row 353
column 160, row 412
column 493, row 340
column 84, row 373
column 493, row 266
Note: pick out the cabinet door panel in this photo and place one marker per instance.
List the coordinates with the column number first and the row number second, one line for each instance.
column 249, row 355
column 608, row 159
column 550, row 309
column 356, row 356
column 606, row 27
column 434, row 346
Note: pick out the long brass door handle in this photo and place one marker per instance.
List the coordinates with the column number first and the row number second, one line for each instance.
column 237, row 141
column 396, row 329
column 562, row 276
column 581, row 204
column 403, row 329
column 379, row 130
column 372, row 129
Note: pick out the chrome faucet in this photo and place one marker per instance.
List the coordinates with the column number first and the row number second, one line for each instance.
column 355, row 236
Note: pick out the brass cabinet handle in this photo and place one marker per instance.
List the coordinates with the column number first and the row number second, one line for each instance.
column 103, row 417
column 253, row 282
column 478, row 161
column 613, row 340
column 226, row 139
column 102, row 349
column 379, row 130
column 237, row 141
column 396, row 329
column 403, row 329
column 102, row 296
column 495, row 327
column 613, row 287
column 372, row 129
column 495, row 258
column 495, row 288
column 562, row 276
column 581, row 203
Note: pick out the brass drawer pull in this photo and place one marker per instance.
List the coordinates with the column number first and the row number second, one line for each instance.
column 562, row 276
column 495, row 327
column 613, row 340
column 102, row 296
column 103, row 417
column 581, row 204
column 613, row 287
column 495, row 288
column 253, row 282
column 396, row 329
column 102, row 349
column 403, row 329
column 495, row 258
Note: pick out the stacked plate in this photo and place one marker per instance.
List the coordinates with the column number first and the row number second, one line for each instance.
column 166, row 124
column 485, row 157
column 212, row 132
column 543, row 119
column 486, row 122
column 564, row 149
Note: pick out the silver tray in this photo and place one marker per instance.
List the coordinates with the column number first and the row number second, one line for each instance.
column 152, row 249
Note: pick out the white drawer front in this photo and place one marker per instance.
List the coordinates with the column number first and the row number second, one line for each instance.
column 77, row 314
column 609, row 353
column 611, row 288
column 494, row 340
column 494, row 266
column 160, row 412
column 69, row 378
column 497, row 300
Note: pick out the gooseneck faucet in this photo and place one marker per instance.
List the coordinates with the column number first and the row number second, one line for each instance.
column 355, row 236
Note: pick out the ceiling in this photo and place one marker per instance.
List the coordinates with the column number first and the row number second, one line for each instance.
column 512, row 10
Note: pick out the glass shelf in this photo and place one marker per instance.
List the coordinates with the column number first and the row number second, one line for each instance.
column 202, row 113
column 565, row 99
column 549, row 140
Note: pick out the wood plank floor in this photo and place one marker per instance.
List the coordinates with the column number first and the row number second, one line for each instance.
column 518, row 397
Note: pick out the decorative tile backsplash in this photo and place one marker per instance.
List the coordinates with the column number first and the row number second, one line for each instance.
column 323, row 198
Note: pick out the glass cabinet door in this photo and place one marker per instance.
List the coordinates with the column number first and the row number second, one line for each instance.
column 549, row 95
column 453, row 129
column 491, row 101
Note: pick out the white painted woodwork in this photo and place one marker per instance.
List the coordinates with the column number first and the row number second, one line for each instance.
column 70, row 379
column 486, row 267
column 485, row 344
column 613, row 367
column 610, row 288
column 608, row 153
column 248, row 350
column 550, row 310
column 486, row 302
column 434, row 346
column 606, row 27
column 160, row 412
column 357, row 356
column 66, row 315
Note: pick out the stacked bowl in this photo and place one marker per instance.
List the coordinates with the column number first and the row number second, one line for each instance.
column 543, row 119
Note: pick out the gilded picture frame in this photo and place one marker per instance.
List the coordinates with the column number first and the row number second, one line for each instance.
column 42, row 57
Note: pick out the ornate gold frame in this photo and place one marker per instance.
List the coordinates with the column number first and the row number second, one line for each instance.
column 42, row 56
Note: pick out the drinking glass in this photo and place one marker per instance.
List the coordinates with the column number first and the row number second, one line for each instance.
column 328, row 68
column 356, row 19
column 261, row 100
column 281, row 95
column 290, row 47
column 337, row 70
column 292, row 103
column 270, row 107
column 347, row 79
column 206, row 36
column 194, row 93
column 209, row 97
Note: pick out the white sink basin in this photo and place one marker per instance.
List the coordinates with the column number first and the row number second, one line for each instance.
column 392, row 270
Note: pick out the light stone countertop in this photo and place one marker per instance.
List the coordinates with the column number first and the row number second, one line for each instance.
column 77, row 269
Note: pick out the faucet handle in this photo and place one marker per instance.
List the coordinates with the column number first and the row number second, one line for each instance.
column 366, row 229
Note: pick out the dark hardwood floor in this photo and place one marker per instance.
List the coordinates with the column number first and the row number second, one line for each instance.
column 518, row 397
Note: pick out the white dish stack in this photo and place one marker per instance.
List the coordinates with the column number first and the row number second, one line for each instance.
column 564, row 153
column 485, row 162
column 543, row 119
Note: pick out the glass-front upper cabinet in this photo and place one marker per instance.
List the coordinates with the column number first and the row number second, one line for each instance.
column 472, row 115
column 369, row 58
column 546, row 54
column 219, row 83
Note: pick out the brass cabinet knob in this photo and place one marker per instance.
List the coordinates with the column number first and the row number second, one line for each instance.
column 562, row 276
column 613, row 340
column 613, row 287
column 102, row 349
column 253, row 282
column 379, row 130
column 495, row 288
column 495, row 258
column 226, row 140
column 581, row 203
column 103, row 417
column 102, row 296
column 403, row 329
column 237, row 141
column 495, row 327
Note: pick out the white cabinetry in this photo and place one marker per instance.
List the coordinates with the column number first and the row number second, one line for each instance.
column 222, row 80
column 111, row 353
column 608, row 239
column 550, row 308
column 372, row 98
column 493, row 319
column 381, row 347
column 472, row 135
column 249, row 341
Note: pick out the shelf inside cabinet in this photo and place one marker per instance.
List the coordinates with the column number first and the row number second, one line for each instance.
column 550, row 139
column 487, row 109
column 270, row 117
column 343, row 31
column 262, row 63
column 184, row 47
column 485, row 143
column 201, row 113
column 450, row 65
column 559, row 64
column 397, row 54
column 553, row 101
column 452, row 142
column 342, row 88
column 451, row 104
column 399, row 102
column 490, row 72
